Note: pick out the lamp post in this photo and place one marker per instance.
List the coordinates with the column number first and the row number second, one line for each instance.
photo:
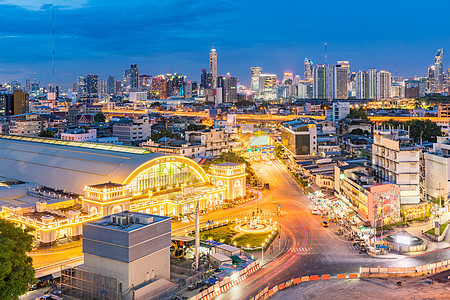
column 262, row 253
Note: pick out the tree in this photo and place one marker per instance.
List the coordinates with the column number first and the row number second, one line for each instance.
column 195, row 127
column 357, row 131
column 164, row 133
column 358, row 114
column 46, row 133
column 16, row 268
column 427, row 130
column 100, row 117
column 155, row 104
column 243, row 103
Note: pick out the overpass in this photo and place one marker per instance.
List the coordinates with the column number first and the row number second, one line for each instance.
column 266, row 118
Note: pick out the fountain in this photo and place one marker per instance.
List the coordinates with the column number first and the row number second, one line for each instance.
column 255, row 225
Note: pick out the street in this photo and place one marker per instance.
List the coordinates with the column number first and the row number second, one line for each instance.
column 311, row 249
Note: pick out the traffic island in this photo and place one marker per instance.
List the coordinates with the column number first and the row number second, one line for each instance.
column 443, row 228
column 404, row 242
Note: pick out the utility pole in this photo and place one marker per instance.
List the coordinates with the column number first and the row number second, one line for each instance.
column 197, row 237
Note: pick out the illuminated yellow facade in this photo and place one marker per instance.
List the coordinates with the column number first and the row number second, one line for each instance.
column 165, row 185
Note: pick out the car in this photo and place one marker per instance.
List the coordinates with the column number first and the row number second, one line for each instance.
column 267, row 186
column 325, row 224
column 315, row 211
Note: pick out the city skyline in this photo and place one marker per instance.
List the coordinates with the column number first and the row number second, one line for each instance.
column 183, row 47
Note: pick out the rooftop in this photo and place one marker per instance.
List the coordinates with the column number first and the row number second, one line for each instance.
column 227, row 164
column 134, row 221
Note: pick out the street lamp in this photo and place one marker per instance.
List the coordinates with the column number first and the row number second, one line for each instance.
column 262, row 253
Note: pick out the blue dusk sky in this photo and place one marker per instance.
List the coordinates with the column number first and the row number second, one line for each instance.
column 163, row 36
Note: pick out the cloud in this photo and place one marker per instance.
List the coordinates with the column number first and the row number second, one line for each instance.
column 36, row 5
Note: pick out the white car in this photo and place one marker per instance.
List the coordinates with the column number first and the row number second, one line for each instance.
column 315, row 211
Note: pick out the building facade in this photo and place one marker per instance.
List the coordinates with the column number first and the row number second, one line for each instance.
column 396, row 160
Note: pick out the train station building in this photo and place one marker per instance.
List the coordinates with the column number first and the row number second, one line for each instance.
column 55, row 186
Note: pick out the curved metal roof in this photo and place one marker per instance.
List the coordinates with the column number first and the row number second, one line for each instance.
column 68, row 166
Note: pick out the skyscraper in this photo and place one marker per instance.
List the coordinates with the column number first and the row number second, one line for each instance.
column 127, row 79
column 145, row 83
column 102, row 87
column 92, row 84
column 319, row 82
column 111, row 85
column 341, row 76
column 329, row 82
column 362, row 85
column 439, row 66
column 134, row 76
column 308, row 69
column 213, row 66
column 288, row 78
column 159, row 87
column 229, row 88
column 81, row 84
column 372, row 84
column 383, row 85
column 268, row 86
column 254, row 77
column 206, row 81
column 175, row 85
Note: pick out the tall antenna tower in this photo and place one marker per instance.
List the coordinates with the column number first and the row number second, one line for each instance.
column 53, row 51
column 325, row 53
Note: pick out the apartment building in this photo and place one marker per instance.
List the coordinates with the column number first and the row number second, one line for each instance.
column 131, row 131
column 396, row 160
column 215, row 141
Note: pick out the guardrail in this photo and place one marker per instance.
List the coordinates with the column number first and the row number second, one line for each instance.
column 227, row 283
column 406, row 271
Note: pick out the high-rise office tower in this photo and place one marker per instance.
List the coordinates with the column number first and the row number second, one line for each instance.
column 92, row 84
column 439, row 66
column 329, row 81
column 118, row 87
column 102, row 87
column 35, row 89
column 341, row 77
column 254, row 77
column 206, row 81
column 81, row 84
column 27, row 88
column 111, row 85
column 268, row 86
column 362, row 85
column 308, row 69
column 175, row 85
column 229, row 88
column 431, row 72
column 319, row 82
column 127, row 79
column 383, row 85
column 145, row 83
column 288, row 78
column 159, row 87
column 372, row 84
column 213, row 66
column 134, row 76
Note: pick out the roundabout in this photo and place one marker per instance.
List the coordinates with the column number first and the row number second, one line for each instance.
column 254, row 226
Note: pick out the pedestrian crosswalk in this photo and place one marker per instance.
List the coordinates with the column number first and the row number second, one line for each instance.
column 311, row 249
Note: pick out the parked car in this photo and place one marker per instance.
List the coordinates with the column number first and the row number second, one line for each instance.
column 315, row 211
